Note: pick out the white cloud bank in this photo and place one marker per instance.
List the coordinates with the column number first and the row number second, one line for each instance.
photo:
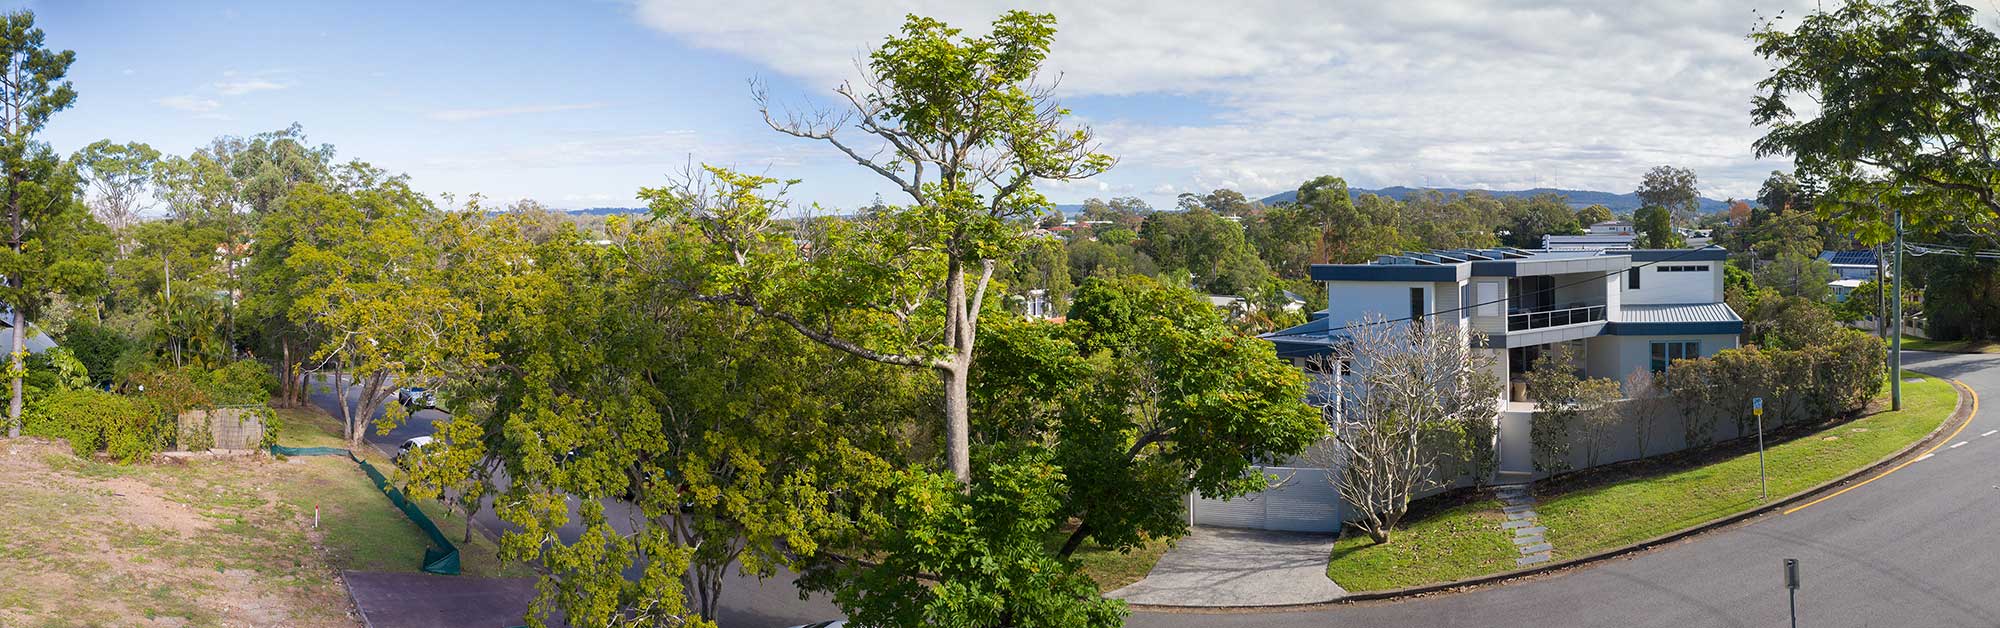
column 1468, row 93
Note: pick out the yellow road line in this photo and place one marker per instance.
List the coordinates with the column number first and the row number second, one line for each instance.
column 1941, row 442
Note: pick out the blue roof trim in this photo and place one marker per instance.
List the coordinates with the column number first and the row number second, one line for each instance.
column 1716, row 254
column 1616, row 328
column 1496, row 268
column 1385, row 272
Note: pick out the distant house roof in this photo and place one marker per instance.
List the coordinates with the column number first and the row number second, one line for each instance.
column 1849, row 258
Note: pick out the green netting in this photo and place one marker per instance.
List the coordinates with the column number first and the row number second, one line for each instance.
column 442, row 556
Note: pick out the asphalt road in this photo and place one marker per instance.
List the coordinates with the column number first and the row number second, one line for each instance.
column 1918, row 547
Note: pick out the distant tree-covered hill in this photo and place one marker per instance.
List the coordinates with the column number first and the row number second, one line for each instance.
column 1621, row 203
column 606, row 211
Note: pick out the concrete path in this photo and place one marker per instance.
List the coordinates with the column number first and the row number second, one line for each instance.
column 1229, row 567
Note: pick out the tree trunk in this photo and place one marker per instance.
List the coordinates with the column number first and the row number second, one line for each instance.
column 1075, row 539
column 957, row 404
column 20, row 353
column 958, row 423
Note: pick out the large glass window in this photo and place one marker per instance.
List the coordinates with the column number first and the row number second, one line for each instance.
column 1417, row 304
column 1664, row 353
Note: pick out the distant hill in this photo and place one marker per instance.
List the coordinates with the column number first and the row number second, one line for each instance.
column 1621, row 203
column 606, row 211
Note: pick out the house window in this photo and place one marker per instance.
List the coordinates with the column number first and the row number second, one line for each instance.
column 1465, row 301
column 1664, row 353
column 1417, row 304
column 1632, row 279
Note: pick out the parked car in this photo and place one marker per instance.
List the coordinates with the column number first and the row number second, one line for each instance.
column 416, row 398
column 407, row 447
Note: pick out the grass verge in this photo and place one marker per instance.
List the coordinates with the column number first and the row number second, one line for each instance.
column 1625, row 504
column 360, row 529
column 1456, row 542
column 1111, row 569
column 1951, row 346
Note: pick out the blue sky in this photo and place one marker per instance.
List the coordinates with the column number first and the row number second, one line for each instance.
column 578, row 104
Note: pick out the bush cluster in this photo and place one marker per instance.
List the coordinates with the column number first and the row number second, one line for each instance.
column 1835, row 376
column 93, row 420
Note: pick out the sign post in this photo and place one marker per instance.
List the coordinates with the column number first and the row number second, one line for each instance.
column 1763, row 483
column 1792, row 588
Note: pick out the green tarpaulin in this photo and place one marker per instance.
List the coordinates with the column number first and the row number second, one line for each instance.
column 442, row 556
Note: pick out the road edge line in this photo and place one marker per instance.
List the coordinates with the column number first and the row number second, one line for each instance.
column 1961, row 414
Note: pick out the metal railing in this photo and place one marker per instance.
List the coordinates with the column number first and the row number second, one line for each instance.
column 1555, row 318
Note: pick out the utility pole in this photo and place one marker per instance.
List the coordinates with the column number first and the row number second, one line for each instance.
column 1896, row 323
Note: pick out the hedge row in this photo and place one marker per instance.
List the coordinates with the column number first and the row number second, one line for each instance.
column 1835, row 376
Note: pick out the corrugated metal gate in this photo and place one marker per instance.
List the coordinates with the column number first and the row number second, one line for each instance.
column 1304, row 502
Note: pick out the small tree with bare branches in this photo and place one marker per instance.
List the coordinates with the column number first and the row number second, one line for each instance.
column 1401, row 398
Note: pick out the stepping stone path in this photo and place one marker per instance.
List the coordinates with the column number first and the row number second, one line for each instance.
column 1529, row 535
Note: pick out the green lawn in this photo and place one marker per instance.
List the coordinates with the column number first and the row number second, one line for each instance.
column 1459, row 542
column 1587, row 517
column 360, row 529
column 1951, row 346
column 1110, row 569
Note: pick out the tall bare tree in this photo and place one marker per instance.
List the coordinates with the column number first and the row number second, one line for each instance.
column 1401, row 399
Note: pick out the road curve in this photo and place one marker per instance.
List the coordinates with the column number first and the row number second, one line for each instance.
column 1917, row 547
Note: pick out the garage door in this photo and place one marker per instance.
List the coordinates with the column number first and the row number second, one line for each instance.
column 1305, row 502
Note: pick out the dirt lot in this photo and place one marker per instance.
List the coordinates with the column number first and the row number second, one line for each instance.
column 205, row 542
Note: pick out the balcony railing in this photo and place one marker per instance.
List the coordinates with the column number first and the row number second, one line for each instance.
column 1521, row 321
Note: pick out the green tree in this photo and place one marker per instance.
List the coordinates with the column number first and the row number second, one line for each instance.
column 1347, row 233
column 377, row 289
column 1900, row 93
column 118, row 175
column 1781, row 194
column 1544, row 214
column 1795, row 275
column 966, row 133
column 1206, row 245
column 52, row 246
column 1673, row 189
column 1655, row 226
column 1148, row 394
column 1594, row 214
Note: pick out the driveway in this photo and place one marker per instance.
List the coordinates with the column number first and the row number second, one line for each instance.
column 1230, row 567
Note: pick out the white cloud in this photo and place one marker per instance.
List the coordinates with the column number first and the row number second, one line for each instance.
column 462, row 115
column 1465, row 93
column 246, row 86
column 191, row 104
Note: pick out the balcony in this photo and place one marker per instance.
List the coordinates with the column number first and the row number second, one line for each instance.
column 1540, row 319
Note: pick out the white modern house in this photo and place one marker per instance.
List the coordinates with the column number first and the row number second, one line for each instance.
column 1618, row 310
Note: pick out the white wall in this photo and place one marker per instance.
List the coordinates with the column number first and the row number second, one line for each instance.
column 1613, row 357
column 1349, row 302
column 1660, row 288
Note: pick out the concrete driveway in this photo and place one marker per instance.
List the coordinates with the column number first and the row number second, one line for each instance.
column 1231, row 567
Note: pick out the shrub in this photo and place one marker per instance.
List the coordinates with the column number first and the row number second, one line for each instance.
column 243, row 382
column 1835, row 376
column 94, row 420
column 98, row 347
